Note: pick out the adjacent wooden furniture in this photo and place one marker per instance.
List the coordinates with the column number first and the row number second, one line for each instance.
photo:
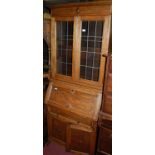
column 47, row 42
column 46, row 68
column 104, row 145
column 79, row 43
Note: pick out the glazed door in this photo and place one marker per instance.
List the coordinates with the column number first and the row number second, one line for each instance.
column 80, row 46
column 62, row 46
column 94, row 48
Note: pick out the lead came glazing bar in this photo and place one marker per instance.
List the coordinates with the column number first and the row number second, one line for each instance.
column 87, row 49
column 94, row 48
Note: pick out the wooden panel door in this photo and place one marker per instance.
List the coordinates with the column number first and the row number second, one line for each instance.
column 81, row 139
column 56, row 129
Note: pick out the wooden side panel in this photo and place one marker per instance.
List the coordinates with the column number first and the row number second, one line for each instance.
column 107, row 94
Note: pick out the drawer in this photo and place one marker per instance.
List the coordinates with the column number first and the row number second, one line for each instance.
column 80, row 139
column 57, row 110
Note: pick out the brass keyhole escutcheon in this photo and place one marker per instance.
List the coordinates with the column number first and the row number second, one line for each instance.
column 77, row 10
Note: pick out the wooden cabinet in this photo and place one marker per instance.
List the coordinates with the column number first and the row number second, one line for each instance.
column 107, row 95
column 79, row 42
column 104, row 145
column 46, row 44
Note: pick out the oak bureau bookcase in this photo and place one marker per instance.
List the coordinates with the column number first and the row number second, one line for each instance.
column 79, row 46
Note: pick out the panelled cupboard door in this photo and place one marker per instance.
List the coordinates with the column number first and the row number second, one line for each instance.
column 79, row 48
column 80, row 140
column 57, row 129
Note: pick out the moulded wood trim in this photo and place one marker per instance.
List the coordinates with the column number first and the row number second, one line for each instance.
column 98, row 3
column 102, row 10
column 69, row 18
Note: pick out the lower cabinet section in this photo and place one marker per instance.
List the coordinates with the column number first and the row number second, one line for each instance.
column 75, row 136
column 81, row 139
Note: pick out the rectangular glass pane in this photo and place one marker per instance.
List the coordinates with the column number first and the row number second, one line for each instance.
column 83, row 58
column 95, row 74
column 82, row 72
column 91, row 42
column 89, row 73
column 64, row 47
column 61, row 68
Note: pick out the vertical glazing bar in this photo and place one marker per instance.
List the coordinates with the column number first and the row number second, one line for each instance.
column 94, row 48
column 61, row 40
column 66, row 46
column 87, row 51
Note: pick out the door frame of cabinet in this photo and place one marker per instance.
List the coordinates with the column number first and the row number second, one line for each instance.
column 75, row 78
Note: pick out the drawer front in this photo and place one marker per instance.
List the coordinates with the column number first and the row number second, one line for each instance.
column 71, row 115
column 105, row 141
column 57, row 129
column 80, row 140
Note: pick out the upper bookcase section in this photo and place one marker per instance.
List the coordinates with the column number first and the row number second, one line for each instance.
column 99, row 8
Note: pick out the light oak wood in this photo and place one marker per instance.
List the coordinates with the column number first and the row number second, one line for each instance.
column 53, row 47
column 105, row 46
column 76, row 48
column 74, row 103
